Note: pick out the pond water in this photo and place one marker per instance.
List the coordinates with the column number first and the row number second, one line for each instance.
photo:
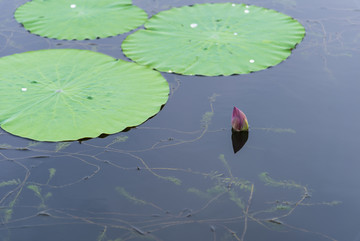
column 176, row 176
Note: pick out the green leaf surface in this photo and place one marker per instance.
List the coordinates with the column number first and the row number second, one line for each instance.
column 214, row 39
column 68, row 94
column 80, row 19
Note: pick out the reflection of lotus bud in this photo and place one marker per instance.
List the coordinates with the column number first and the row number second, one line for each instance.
column 239, row 121
column 239, row 139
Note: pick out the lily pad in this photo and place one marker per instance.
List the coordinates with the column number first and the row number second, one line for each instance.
column 68, row 94
column 214, row 39
column 79, row 19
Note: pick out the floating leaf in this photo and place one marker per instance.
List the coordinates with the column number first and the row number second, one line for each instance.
column 214, row 39
column 68, row 94
column 78, row 19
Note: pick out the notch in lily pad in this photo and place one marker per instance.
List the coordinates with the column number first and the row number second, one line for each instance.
column 75, row 19
column 70, row 94
column 214, row 39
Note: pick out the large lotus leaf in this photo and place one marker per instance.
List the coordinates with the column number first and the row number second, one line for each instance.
column 214, row 39
column 80, row 19
column 68, row 94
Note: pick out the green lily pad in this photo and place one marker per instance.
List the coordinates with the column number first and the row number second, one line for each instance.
column 68, row 94
column 79, row 19
column 214, row 39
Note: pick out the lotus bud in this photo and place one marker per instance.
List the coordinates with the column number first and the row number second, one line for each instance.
column 239, row 121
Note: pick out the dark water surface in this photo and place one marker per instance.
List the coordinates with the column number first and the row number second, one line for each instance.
column 176, row 177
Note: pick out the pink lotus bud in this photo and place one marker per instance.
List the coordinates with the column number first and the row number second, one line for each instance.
column 239, row 121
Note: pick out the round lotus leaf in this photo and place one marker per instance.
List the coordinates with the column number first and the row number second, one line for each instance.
column 68, row 94
column 80, row 19
column 214, row 39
